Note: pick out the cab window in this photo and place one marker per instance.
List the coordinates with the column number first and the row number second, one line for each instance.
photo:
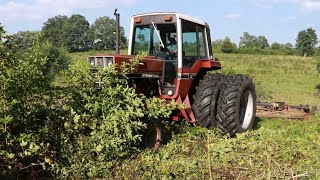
column 193, row 43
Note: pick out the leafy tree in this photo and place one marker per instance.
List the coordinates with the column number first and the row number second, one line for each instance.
column 103, row 30
column 227, row 46
column 262, row 42
column 76, row 33
column 288, row 46
column 306, row 42
column 217, row 43
column 248, row 41
column 53, row 30
column 25, row 39
column 276, row 46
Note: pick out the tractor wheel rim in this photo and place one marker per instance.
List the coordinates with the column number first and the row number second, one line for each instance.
column 246, row 111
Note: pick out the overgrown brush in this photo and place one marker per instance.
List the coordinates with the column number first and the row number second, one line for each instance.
column 78, row 130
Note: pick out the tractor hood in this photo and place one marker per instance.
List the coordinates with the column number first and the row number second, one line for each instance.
column 149, row 66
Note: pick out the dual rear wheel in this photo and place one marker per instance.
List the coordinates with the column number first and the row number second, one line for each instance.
column 225, row 102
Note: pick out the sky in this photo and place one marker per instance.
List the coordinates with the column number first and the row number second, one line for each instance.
column 278, row 20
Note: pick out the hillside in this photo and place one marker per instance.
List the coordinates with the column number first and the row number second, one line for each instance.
column 280, row 78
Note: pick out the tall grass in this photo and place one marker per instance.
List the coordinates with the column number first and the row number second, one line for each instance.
column 282, row 78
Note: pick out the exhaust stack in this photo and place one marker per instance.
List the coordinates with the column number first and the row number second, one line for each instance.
column 117, row 31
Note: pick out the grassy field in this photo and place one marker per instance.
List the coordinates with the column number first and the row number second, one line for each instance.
column 280, row 78
column 276, row 149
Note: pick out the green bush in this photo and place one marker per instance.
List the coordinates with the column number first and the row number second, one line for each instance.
column 78, row 130
column 106, row 122
column 266, row 51
column 227, row 46
column 29, row 107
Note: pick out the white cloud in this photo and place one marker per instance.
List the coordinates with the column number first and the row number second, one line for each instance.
column 311, row 5
column 307, row 5
column 232, row 16
column 42, row 9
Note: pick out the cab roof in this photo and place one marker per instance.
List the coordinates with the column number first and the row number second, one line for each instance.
column 178, row 15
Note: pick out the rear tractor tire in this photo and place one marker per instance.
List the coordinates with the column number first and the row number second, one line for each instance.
column 236, row 105
column 205, row 99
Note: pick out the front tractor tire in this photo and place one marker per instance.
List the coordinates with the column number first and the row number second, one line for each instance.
column 153, row 137
column 205, row 99
column 236, row 105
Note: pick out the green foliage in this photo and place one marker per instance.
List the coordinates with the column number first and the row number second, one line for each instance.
column 251, row 41
column 262, row 42
column 53, row 30
column 227, row 46
column 28, row 108
column 106, row 123
column 199, row 153
column 317, row 52
column 248, row 41
column 306, row 42
column 267, row 51
column 79, row 130
column 76, row 33
column 103, row 34
column 69, row 32
column 25, row 39
column 216, row 45
column 276, row 45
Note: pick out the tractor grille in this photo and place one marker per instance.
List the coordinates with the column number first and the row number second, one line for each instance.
column 100, row 61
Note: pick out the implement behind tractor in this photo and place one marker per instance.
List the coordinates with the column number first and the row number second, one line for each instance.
column 283, row 110
column 180, row 67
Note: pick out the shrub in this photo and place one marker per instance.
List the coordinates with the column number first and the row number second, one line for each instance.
column 28, row 109
column 106, row 123
column 78, row 130
column 227, row 46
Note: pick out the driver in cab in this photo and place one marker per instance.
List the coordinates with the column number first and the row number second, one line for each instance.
column 170, row 51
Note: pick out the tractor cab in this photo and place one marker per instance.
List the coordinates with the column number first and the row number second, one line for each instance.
column 179, row 54
column 177, row 40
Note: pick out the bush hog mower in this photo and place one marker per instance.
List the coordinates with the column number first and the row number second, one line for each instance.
column 179, row 59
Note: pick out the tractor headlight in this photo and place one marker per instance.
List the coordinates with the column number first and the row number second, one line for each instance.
column 109, row 61
column 92, row 61
column 100, row 62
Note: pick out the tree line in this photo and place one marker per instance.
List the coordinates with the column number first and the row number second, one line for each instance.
column 306, row 42
column 75, row 34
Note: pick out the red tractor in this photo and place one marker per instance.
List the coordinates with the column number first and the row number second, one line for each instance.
column 179, row 66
